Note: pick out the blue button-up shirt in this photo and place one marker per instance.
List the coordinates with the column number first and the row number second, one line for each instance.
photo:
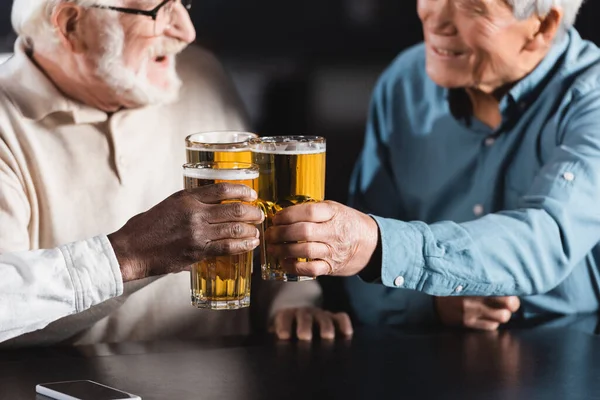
column 465, row 209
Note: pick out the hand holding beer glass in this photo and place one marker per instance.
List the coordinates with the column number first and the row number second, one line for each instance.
column 220, row 156
column 221, row 282
column 292, row 171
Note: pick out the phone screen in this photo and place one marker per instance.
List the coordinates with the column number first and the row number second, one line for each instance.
column 87, row 390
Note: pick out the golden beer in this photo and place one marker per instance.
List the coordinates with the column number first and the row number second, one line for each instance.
column 219, row 146
column 221, row 283
column 292, row 171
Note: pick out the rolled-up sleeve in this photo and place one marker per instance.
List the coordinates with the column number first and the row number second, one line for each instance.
column 39, row 287
column 525, row 251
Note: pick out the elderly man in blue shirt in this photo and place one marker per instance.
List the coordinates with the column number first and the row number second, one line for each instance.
column 480, row 175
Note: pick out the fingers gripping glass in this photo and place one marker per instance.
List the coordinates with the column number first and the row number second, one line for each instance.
column 162, row 14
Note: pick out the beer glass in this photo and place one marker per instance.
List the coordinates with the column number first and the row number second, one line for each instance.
column 292, row 171
column 219, row 146
column 221, row 283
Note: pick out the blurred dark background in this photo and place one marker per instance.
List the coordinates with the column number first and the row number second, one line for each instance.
column 308, row 67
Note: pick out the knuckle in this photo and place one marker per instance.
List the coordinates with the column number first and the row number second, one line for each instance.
column 228, row 247
column 237, row 210
column 305, row 230
column 197, row 238
column 309, row 211
column 222, row 190
column 197, row 220
column 186, row 202
column 178, row 196
column 312, row 210
column 248, row 244
column 236, row 230
column 220, row 248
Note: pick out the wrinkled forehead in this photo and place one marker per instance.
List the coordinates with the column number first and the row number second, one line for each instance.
column 482, row 3
column 482, row 6
column 140, row 4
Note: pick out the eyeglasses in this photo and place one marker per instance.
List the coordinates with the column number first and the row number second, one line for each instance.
column 162, row 14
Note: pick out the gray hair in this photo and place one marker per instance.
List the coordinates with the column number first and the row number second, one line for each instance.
column 31, row 19
column 526, row 8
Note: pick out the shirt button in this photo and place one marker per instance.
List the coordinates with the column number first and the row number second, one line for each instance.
column 399, row 281
column 459, row 289
column 122, row 162
column 489, row 141
column 478, row 210
column 569, row 176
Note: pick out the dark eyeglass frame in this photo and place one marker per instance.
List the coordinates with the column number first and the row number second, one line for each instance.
column 148, row 13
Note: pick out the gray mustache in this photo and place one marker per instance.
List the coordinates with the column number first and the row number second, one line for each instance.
column 167, row 47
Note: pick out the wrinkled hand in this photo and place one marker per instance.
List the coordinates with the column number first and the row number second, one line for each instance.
column 305, row 318
column 185, row 228
column 336, row 240
column 484, row 313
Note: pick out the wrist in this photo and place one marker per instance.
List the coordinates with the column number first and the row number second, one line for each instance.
column 370, row 250
column 128, row 270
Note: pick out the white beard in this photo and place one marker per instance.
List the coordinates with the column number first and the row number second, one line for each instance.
column 134, row 88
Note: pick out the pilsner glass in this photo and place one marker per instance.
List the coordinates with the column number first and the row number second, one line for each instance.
column 292, row 171
column 221, row 283
column 219, row 146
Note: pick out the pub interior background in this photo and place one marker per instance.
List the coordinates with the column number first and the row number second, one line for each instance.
column 309, row 67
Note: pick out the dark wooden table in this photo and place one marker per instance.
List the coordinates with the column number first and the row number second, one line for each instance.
column 557, row 359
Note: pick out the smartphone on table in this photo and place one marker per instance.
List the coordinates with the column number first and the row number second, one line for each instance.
column 82, row 390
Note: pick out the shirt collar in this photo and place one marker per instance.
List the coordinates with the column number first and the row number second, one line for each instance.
column 36, row 97
column 523, row 93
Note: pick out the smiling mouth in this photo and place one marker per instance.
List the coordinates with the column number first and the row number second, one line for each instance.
column 447, row 52
column 160, row 59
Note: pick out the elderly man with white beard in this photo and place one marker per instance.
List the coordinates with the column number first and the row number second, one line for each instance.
column 93, row 116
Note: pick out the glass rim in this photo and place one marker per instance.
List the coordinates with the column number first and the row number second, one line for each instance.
column 303, row 144
column 288, row 139
column 194, row 144
column 232, row 165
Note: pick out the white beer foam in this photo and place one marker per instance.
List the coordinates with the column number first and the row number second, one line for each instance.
column 203, row 149
column 220, row 174
column 223, row 137
column 290, row 148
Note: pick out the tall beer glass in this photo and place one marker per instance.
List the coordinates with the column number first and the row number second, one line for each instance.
column 292, row 171
column 221, row 283
column 219, row 146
